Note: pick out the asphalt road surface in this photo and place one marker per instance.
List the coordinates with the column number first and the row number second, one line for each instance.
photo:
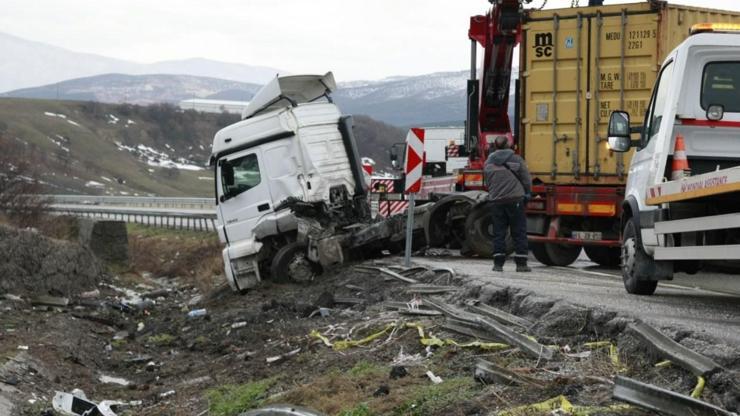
column 704, row 303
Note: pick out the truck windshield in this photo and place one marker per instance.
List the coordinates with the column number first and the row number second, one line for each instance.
column 721, row 86
column 240, row 175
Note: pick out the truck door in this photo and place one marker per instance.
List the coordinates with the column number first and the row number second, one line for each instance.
column 244, row 193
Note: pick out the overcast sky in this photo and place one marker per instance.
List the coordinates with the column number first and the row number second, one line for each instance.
column 356, row 39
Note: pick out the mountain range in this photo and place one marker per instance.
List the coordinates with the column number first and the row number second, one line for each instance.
column 27, row 64
column 430, row 99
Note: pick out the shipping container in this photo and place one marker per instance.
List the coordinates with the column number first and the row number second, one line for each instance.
column 577, row 65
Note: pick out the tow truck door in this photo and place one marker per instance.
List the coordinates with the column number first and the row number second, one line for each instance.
column 243, row 192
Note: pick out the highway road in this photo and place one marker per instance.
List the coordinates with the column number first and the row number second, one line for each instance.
column 706, row 303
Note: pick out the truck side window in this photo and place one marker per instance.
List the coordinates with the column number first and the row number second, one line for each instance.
column 657, row 107
column 240, row 175
column 721, row 86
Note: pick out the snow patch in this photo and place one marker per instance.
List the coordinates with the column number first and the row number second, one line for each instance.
column 94, row 184
column 106, row 179
column 154, row 157
column 205, row 178
column 63, row 117
column 112, row 119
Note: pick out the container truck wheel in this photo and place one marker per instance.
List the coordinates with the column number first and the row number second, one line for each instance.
column 290, row 264
column 604, row 256
column 552, row 254
column 479, row 232
column 636, row 264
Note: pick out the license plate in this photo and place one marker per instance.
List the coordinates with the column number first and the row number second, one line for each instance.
column 587, row 235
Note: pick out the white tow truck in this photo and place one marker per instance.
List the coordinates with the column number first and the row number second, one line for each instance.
column 676, row 225
column 290, row 189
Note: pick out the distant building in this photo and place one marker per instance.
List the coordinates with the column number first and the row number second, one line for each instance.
column 213, row 106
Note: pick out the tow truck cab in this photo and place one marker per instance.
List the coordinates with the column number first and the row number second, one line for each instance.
column 292, row 144
column 696, row 96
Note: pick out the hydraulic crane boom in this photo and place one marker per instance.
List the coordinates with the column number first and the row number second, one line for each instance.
column 498, row 32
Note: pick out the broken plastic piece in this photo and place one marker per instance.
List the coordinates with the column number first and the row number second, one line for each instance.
column 435, row 379
column 71, row 405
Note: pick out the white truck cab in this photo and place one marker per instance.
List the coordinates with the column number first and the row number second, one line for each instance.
column 292, row 144
column 697, row 98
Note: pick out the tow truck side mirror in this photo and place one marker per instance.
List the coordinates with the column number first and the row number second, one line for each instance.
column 619, row 139
column 394, row 156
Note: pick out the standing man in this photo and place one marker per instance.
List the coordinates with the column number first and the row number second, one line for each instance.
column 509, row 189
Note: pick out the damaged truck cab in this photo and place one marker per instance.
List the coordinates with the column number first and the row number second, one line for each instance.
column 292, row 146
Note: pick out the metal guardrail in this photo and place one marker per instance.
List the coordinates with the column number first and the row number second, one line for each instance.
column 661, row 400
column 164, row 218
column 134, row 201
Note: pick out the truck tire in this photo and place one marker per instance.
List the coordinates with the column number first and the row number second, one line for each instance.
column 604, row 256
column 479, row 232
column 552, row 254
column 290, row 264
column 444, row 223
column 636, row 264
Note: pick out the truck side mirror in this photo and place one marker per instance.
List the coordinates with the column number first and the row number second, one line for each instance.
column 619, row 132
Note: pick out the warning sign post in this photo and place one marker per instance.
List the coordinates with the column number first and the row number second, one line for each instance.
column 413, row 166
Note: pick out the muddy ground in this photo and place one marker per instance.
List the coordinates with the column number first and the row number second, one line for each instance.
column 258, row 348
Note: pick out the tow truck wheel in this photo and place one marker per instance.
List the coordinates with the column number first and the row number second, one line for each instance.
column 290, row 264
column 479, row 232
column 636, row 263
column 604, row 256
column 551, row 254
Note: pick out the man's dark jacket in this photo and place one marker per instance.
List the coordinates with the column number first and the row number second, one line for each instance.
column 507, row 177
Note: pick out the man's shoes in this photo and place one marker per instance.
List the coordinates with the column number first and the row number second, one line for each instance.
column 498, row 262
column 521, row 263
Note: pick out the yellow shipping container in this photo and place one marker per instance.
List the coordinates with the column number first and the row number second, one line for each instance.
column 577, row 65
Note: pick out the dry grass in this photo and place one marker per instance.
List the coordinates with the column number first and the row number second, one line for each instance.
column 192, row 256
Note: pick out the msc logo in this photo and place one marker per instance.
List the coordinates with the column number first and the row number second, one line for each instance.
column 543, row 44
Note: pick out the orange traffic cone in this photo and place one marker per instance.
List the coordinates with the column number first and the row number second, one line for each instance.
column 680, row 167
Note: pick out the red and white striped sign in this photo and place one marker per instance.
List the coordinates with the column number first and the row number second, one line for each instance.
column 381, row 185
column 414, row 159
column 453, row 150
column 388, row 208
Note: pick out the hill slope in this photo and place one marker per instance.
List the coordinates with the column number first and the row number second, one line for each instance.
column 123, row 149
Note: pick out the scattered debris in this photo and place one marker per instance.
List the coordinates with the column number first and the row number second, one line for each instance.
column 661, row 400
column 197, row 313
column 398, row 371
column 282, row 410
column 490, row 373
column 114, row 380
column 237, row 325
column 388, row 272
column 69, row 404
column 282, row 357
column 435, row 379
column 501, row 316
column 675, row 352
column 430, row 289
column 49, row 301
column 383, row 390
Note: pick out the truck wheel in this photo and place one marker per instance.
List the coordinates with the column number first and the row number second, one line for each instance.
column 604, row 256
column 552, row 254
column 291, row 264
column 636, row 264
column 479, row 232
column 444, row 223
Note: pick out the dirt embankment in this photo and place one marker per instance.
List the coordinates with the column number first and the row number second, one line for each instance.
column 344, row 345
column 32, row 264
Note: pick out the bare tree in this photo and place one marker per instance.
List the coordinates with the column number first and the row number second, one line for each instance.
column 20, row 189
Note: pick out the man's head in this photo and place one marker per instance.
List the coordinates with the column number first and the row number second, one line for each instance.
column 500, row 142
